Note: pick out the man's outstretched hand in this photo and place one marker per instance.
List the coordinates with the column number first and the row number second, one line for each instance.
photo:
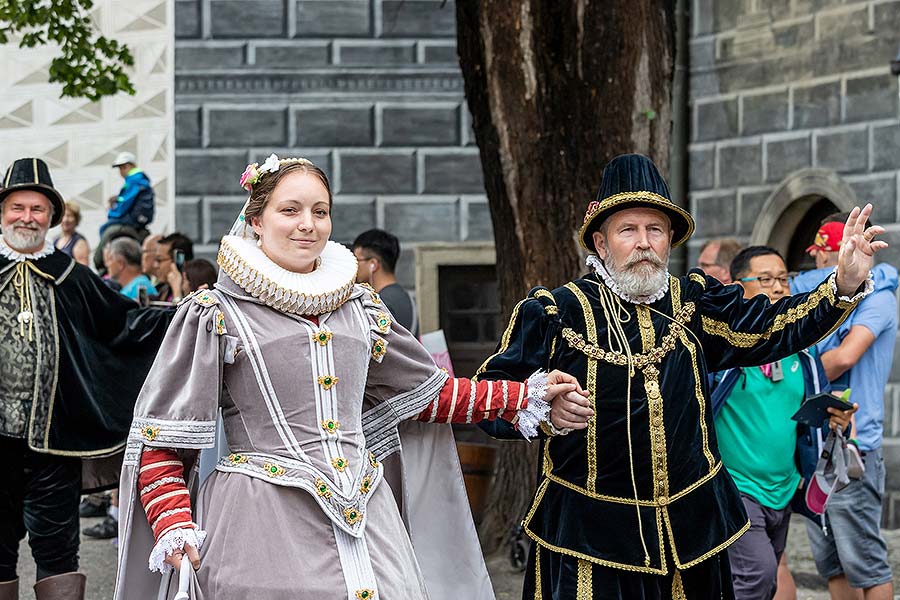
column 858, row 248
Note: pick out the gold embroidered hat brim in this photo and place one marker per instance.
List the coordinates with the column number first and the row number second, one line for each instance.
column 682, row 221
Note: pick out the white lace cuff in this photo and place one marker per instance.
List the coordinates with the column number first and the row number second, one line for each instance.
column 867, row 289
column 172, row 541
column 538, row 409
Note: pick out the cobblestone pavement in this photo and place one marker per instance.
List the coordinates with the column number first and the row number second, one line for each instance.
column 508, row 583
column 98, row 560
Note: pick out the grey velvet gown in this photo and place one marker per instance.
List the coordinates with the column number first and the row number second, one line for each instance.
column 299, row 506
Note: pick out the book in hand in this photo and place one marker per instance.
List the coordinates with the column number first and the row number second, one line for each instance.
column 814, row 412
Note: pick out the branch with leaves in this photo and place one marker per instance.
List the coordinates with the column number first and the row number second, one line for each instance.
column 89, row 65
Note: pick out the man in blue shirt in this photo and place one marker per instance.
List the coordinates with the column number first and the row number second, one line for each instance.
column 123, row 264
column 858, row 356
column 132, row 210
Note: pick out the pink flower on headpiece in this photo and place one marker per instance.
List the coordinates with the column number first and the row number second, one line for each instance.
column 250, row 176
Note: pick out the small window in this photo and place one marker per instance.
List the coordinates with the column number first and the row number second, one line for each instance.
column 469, row 314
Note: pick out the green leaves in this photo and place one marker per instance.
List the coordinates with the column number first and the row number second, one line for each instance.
column 89, row 65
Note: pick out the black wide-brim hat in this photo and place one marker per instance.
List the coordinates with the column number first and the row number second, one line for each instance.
column 33, row 174
column 633, row 181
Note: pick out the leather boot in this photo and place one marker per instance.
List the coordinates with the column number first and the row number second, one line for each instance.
column 9, row 590
column 68, row 586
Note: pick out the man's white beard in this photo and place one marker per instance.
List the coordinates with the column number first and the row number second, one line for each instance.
column 23, row 241
column 639, row 280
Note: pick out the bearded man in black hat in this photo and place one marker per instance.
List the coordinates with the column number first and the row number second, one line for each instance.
column 638, row 505
column 73, row 356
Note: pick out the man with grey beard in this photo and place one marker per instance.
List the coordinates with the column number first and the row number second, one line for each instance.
column 73, row 357
column 638, row 505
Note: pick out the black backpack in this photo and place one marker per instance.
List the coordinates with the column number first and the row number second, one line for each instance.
column 144, row 207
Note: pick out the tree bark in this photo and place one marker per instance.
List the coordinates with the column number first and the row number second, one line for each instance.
column 556, row 89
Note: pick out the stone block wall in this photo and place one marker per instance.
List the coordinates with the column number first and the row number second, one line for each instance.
column 368, row 89
column 777, row 87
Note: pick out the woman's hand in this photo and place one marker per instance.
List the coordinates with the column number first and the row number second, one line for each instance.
column 174, row 559
column 569, row 406
column 841, row 417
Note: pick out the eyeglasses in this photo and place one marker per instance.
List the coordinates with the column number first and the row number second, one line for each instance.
column 768, row 281
column 362, row 258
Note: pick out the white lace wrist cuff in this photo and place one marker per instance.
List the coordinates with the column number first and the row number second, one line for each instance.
column 538, row 409
column 172, row 541
column 867, row 289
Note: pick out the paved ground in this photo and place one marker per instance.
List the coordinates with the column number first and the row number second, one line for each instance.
column 98, row 559
column 508, row 583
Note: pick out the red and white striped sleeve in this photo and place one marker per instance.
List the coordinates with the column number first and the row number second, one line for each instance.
column 166, row 500
column 467, row 401
column 163, row 491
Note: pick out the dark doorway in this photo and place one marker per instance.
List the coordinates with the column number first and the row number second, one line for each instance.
column 805, row 233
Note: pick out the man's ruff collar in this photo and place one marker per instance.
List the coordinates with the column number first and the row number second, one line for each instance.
column 14, row 255
column 594, row 262
column 321, row 291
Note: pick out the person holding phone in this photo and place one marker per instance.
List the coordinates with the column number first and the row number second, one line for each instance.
column 172, row 251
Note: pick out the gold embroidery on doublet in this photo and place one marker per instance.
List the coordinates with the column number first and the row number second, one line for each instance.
column 591, row 327
column 585, row 590
column 743, row 339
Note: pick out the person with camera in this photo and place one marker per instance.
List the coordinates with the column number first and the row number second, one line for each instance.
column 172, row 251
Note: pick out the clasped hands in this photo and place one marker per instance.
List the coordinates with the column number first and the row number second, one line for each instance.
column 569, row 404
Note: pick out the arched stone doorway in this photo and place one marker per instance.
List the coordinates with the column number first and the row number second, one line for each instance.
column 790, row 217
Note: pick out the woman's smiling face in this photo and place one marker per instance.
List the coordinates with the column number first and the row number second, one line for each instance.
column 296, row 222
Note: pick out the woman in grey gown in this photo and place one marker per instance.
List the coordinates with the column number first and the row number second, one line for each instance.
column 309, row 379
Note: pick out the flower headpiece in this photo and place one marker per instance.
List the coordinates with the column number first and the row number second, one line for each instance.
column 254, row 172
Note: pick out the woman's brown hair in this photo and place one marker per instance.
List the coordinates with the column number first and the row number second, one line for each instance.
column 262, row 189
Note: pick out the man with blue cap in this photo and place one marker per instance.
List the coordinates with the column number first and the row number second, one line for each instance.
column 638, row 505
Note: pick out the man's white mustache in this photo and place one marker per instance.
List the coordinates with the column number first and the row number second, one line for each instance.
column 25, row 225
column 647, row 255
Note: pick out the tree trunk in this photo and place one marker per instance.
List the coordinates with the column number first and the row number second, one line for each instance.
column 556, row 89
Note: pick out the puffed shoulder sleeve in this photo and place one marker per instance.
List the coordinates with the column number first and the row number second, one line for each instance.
column 525, row 345
column 739, row 332
column 178, row 402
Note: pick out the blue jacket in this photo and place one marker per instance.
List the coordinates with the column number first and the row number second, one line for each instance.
column 808, row 440
column 135, row 181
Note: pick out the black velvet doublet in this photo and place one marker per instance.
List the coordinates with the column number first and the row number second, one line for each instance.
column 655, row 423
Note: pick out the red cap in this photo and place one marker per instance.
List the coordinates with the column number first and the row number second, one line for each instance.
column 829, row 237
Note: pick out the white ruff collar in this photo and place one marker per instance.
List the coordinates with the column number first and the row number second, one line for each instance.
column 594, row 262
column 16, row 256
column 314, row 293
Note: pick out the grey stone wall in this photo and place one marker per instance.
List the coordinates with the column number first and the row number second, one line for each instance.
column 368, row 89
column 780, row 86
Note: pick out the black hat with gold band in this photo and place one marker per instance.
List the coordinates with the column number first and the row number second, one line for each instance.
column 633, row 181
column 33, row 174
